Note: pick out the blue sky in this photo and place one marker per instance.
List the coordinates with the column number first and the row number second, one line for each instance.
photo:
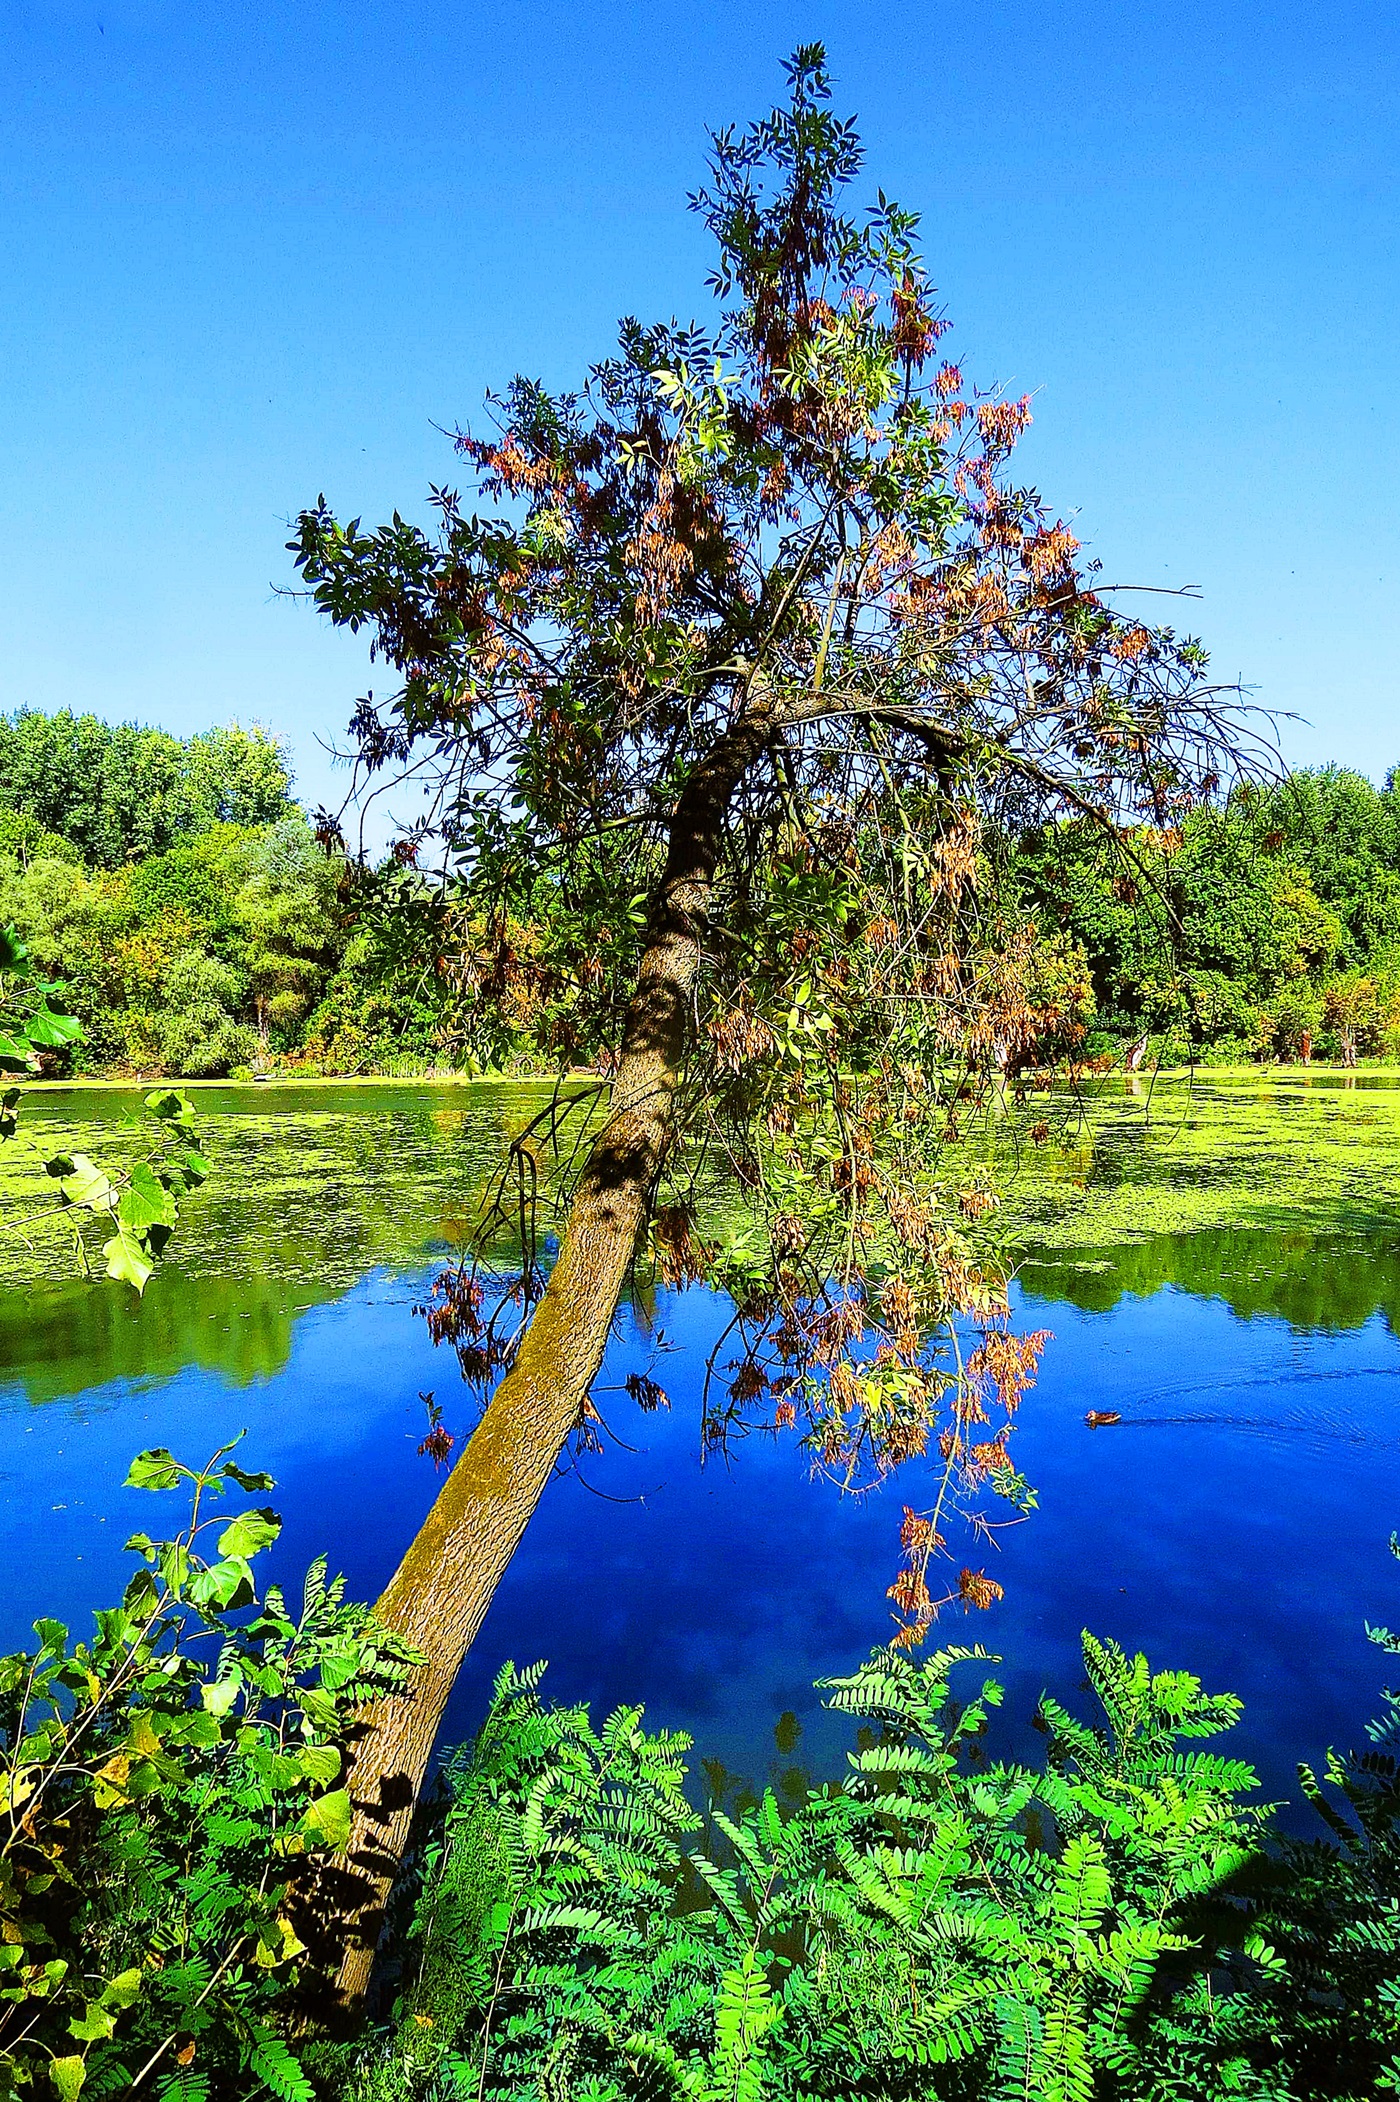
column 255, row 252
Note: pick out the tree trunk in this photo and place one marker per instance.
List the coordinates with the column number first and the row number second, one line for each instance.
column 438, row 1596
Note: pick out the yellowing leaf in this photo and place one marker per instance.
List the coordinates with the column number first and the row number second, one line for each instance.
column 122, row 1990
column 326, row 1822
column 141, row 1738
column 16, row 1787
column 127, row 1259
column 85, row 1184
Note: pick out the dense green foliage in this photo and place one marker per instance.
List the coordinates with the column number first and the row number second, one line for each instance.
column 177, row 899
column 194, row 961
column 164, row 1789
column 1118, row 1923
column 1268, row 927
column 117, row 792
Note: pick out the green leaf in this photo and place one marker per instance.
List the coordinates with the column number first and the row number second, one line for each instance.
column 223, row 1585
column 246, row 1480
column 123, row 1990
column 250, row 1532
column 275, row 2066
column 15, row 1050
column 68, row 2075
column 52, row 1030
column 319, row 1762
column 219, row 1695
column 195, row 1166
column 127, row 1260
column 173, row 1562
column 156, row 1468
column 170, row 1106
column 146, row 1202
column 326, row 1822
column 197, row 1730
column 93, row 2026
column 83, row 1182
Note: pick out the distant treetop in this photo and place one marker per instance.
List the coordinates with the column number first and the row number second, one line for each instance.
column 118, row 791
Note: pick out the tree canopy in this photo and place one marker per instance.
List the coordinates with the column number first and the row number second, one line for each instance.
column 117, row 791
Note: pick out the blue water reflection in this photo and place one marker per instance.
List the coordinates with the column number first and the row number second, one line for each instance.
column 1235, row 1523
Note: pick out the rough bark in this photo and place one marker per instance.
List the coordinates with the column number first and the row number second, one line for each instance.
column 438, row 1596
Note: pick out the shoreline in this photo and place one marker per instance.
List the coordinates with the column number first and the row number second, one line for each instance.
column 104, row 1085
column 1297, row 1075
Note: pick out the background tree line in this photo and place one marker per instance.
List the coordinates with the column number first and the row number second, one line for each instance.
column 203, row 928
column 1266, row 927
column 178, row 890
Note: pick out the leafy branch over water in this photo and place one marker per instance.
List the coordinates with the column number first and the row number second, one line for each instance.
column 136, row 1206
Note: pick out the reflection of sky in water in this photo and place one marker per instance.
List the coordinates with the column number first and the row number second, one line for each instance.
column 1234, row 1524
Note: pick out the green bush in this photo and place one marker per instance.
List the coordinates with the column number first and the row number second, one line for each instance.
column 1118, row 1923
column 164, row 1790
column 197, row 1030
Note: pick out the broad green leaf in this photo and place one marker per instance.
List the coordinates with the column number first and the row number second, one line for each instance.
column 340, row 1661
column 52, row 1030
column 222, row 1585
column 319, row 1762
column 170, row 1106
column 84, row 1183
column 123, row 1990
column 68, row 2075
column 156, row 1468
column 173, row 1561
column 196, row 1729
column 250, row 1532
column 146, row 1202
column 220, row 1695
column 140, row 1595
column 93, row 2026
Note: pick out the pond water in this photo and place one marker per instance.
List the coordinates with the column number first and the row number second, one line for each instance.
column 1221, row 1266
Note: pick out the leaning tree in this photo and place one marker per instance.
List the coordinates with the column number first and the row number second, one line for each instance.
column 724, row 684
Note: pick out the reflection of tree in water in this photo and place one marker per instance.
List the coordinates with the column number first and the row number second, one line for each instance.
column 1312, row 1280
column 62, row 1339
column 315, row 1187
column 312, row 1189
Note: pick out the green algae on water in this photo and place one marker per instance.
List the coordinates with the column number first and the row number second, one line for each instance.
column 1142, row 1161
